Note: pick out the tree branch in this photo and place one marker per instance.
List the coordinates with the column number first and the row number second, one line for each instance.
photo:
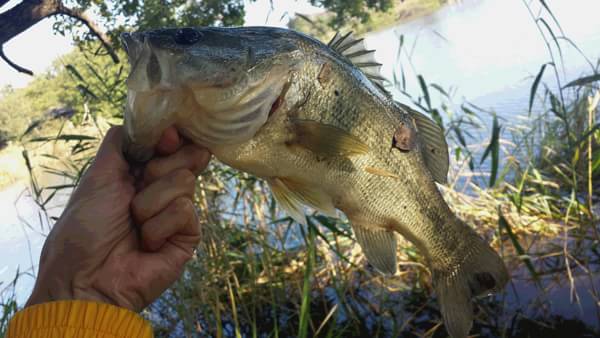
column 12, row 64
column 29, row 12
column 24, row 15
column 91, row 25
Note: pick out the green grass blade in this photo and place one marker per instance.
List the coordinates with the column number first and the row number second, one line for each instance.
column 543, row 2
column 306, row 287
column 425, row 91
column 582, row 81
column 71, row 69
column 503, row 224
column 554, row 38
column 535, row 85
column 493, row 148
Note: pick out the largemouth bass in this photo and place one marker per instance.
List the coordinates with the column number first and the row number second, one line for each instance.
column 315, row 122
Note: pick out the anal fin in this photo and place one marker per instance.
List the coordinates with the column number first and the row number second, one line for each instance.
column 379, row 246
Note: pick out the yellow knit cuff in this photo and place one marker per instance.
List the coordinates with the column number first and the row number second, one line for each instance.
column 77, row 318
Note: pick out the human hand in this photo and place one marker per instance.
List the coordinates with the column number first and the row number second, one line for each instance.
column 94, row 251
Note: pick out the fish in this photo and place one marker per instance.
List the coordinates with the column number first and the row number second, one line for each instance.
column 315, row 121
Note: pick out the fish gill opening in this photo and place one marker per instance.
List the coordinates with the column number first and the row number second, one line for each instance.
column 279, row 100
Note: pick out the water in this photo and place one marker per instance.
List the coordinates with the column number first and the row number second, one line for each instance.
column 24, row 227
column 488, row 50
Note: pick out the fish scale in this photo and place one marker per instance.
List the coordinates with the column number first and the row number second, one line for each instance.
column 323, row 132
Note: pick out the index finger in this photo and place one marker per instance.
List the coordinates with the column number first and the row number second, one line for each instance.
column 169, row 142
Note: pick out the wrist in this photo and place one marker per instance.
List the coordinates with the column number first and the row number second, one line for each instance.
column 49, row 290
column 60, row 285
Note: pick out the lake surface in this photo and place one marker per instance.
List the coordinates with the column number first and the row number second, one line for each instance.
column 23, row 230
column 488, row 50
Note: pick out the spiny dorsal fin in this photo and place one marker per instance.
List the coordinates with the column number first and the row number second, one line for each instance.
column 379, row 246
column 354, row 50
column 326, row 140
column 293, row 195
column 433, row 145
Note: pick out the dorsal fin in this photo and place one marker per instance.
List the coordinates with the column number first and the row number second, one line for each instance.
column 433, row 145
column 364, row 59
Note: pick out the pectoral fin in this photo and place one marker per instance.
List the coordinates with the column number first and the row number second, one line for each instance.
column 326, row 140
column 379, row 246
column 380, row 172
column 293, row 195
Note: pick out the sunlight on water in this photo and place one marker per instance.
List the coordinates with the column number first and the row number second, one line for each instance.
column 488, row 50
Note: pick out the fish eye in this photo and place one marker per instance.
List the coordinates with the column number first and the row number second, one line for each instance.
column 187, row 36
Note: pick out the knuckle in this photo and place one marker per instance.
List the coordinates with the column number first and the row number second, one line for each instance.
column 183, row 205
column 184, row 177
column 153, row 169
column 113, row 129
column 198, row 158
column 149, row 234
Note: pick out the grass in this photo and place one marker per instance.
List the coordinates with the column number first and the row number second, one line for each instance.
column 529, row 190
column 8, row 304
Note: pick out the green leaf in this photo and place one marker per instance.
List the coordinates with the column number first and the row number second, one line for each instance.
column 493, row 148
column 71, row 69
column 440, row 89
column 86, row 91
column 585, row 136
column 64, row 137
column 503, row 224
column 425, row 91
column 556, row 106
column 535, row 85
column 543, row 2
column 582, row 81
column 553, row 38
column 306, row 286
column 518, row 195
column 596, row 161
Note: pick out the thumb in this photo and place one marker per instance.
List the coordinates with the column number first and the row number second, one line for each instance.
column 110, row 154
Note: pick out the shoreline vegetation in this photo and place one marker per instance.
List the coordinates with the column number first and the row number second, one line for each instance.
column 260, row 274
column 320, row 25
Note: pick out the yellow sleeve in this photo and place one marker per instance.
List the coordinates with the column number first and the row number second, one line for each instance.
column 81, row 319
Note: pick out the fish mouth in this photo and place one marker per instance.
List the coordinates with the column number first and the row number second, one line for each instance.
column 133, row 44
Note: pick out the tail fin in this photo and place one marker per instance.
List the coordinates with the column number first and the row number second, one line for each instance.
column 482, row 272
